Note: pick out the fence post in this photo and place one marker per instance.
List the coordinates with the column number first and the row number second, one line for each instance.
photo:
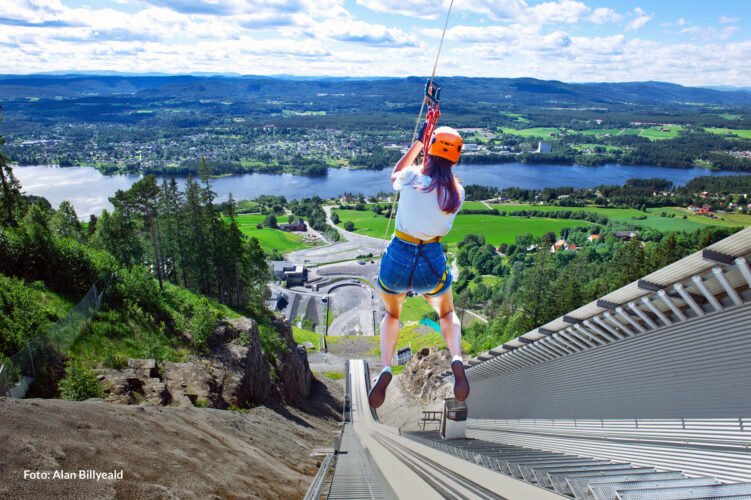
column 4, row 382
column 31, row 359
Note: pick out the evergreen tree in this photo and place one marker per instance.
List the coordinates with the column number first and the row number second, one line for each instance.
column 141, row 200
column 11, row 189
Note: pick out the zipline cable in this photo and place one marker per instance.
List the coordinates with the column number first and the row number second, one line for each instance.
column 419, row 118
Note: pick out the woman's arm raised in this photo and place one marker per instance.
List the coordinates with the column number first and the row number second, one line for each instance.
column 407, row 160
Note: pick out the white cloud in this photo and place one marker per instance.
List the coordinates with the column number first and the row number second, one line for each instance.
column 360, row 32
column 604, row 15
column 557, row 11
column 710, row 33
column 640, row 19
column 424, row 9
column 727, row 20
column 562, row 11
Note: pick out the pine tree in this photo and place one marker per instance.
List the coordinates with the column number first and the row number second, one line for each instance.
column 141, row 200
column 11, row 189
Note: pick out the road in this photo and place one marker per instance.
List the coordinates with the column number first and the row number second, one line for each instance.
column 353, row 246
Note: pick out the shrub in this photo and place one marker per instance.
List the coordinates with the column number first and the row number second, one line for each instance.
column 20, row 316
column 79, row 383
column 243, row 339
column 349, row 225
column 135, row 286
column 202, row 325
column 271, row 343
column 114, row 360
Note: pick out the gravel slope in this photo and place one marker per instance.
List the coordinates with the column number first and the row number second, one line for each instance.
column 164, row 452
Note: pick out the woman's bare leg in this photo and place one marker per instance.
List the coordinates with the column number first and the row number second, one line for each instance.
column 451, row 329
column 390, row 326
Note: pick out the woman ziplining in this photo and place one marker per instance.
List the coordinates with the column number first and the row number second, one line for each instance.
column 414, row 261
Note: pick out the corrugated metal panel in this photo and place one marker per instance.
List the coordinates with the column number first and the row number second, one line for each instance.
column 721, row 463
column 687, row 492
column 607, row 491
column 697, row 369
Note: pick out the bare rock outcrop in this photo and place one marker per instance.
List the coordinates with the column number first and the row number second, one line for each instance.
column 420, row 377
column 292, row 369
column 231, row 375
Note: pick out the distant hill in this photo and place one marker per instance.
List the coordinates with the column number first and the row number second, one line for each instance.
column 520, row 91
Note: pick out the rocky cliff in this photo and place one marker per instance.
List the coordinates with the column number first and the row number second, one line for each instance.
column 232, row 375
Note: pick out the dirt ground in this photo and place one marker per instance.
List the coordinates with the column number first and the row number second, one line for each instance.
column 164, row 452
column 404, row 411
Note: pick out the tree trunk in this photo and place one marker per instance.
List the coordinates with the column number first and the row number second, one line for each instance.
column 156, row 250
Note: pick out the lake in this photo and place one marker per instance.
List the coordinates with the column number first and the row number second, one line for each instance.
column 88, row 190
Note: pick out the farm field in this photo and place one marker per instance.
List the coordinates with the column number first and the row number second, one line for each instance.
column 534, row 131
column 496, row 229
column 732, row 220
column 743, row 133
column 652, row 133
column 270, row 238
column 653, row 220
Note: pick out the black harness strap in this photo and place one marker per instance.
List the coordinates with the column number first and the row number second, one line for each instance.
column 441, row 281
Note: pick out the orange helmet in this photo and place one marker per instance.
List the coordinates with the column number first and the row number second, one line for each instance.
column 446, row 143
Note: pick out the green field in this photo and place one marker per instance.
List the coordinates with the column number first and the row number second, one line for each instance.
column 654, row 133
column 653, row 220
column 270, row 238
column 608, row 148
column 415, row 309
column 496, row 229
column 532, row 132
column 611, row 131
column 731, row 220
column 742, row 133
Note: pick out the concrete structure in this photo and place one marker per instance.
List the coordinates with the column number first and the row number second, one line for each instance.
column 544, row 147
column 655, row 373
column 291, row 274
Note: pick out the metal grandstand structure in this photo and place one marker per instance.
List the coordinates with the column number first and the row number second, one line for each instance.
column 642, row 394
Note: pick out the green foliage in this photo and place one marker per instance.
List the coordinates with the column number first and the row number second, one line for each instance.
column 21, row 318
column 202, row 325
column 349, row 225
column 79, row 383
column 270, row 221
column 300, row 335
column 273, row 345
column 135, row 286
column 201, row 403
column 114, row 360
column 66, row 265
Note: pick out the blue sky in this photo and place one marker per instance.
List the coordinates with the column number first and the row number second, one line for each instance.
column 688, row 42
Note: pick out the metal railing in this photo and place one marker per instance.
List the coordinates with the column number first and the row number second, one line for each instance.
column 20, row 370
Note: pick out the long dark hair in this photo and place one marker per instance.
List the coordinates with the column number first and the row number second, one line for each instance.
column 442, row 178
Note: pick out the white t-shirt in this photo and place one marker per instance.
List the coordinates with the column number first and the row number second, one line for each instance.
column 418, row 214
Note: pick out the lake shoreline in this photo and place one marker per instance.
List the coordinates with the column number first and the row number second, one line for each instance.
column 89, row 190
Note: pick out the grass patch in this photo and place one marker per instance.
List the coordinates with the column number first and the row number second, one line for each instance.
column 273, row 239
column 397, row 369
column 415, row 309
column 409, row 336
column 332, row 375
column 657, row 133
column 496, row 229
column 113, row 336
column 532, row 132
column 301, row 335
column 742, row 133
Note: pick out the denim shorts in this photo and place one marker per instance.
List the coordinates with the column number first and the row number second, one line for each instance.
column 406, row 267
